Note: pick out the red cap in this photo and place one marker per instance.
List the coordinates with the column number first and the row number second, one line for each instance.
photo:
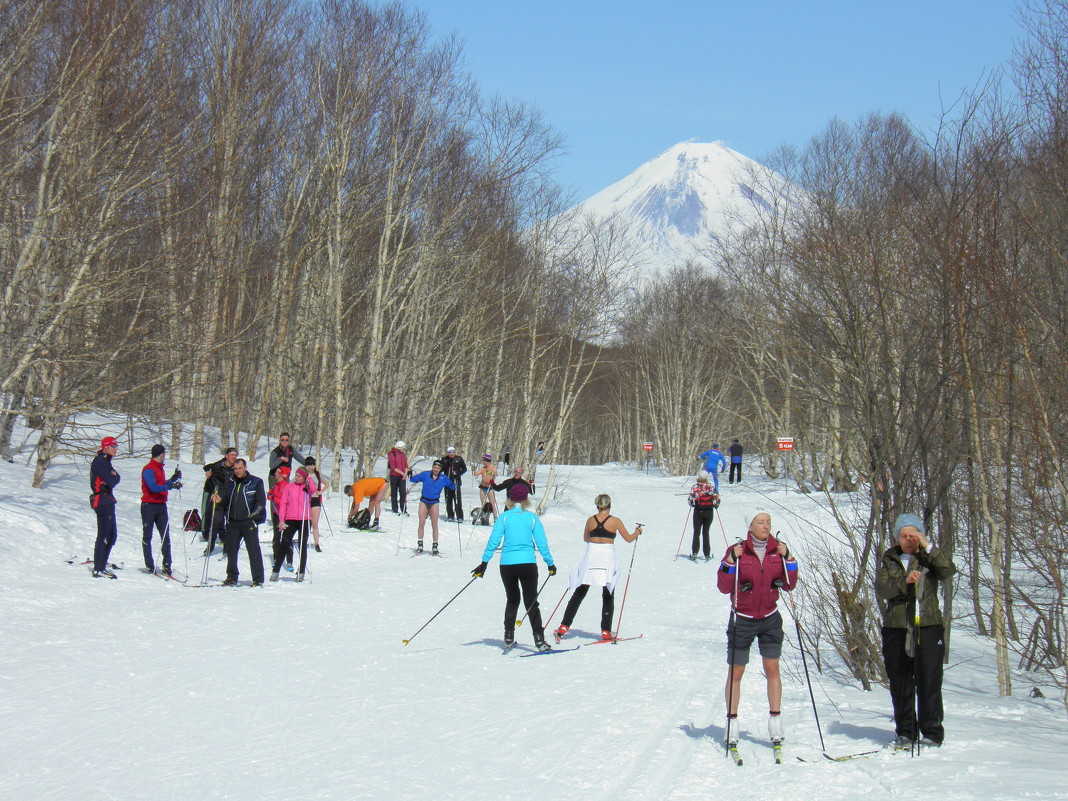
column 109, row 442
column 283, row 471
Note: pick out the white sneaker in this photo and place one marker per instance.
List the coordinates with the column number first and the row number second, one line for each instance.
column 775, row 728
column 731, row 735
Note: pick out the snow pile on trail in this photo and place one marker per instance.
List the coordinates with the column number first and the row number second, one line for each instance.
column 145, row 688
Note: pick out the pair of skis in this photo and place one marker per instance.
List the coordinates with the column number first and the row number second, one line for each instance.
column 778, row 751
column 576, row 647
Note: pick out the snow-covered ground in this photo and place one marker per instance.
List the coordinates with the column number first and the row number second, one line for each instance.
column 145, row 688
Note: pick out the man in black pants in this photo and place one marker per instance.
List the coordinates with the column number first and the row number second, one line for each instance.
column 244, row 502
column 735, row 452
column 218, row 473
column 913, row 631
column 154, row 488
column 453, row 466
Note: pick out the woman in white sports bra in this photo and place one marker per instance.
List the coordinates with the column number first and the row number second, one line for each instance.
column 599, row 566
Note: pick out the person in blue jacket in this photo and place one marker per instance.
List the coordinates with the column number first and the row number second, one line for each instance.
column 519, row 531
column 433, row 482
column 714, row 460
column 103, row 478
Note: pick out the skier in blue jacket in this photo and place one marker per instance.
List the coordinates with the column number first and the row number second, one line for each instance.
column 714, row 460
column 433, row 482
column 519, row 532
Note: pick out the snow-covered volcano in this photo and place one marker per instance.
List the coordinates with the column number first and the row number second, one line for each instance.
column 674, row 207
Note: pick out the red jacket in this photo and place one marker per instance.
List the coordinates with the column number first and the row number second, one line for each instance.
column 398, row 462
column 148, row 495
column 759, row 601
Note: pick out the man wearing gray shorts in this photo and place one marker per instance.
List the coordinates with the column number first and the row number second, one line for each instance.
column 752, row 573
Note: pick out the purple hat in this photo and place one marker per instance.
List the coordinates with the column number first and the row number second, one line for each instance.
column 518, row 492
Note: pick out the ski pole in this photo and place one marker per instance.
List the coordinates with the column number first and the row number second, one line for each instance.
column 453, row 598
column 804, row 661
column 404, row 514
column 623, row 603
column 185, row 548
column 684, row 525
column 527, row 612
column 211, row 543
column 557, row 606
column 733, row 627
column 721, row 528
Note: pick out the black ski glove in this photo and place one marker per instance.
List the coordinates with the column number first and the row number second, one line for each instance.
column 176, row 475
column 693, row 504
column 480, row 571
column 552, row 570
column 175, row 484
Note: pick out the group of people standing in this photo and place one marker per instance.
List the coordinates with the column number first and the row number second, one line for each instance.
column 235, row 504
column 445, row 476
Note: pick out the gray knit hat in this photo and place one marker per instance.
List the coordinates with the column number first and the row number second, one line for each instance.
column 906, row 520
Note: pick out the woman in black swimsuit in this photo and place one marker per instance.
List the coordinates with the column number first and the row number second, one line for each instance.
column 598, row 567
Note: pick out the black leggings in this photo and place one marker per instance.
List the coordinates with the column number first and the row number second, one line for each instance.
column 294, row 528
column 702, row 520
column 515, row 577
column 608, row 606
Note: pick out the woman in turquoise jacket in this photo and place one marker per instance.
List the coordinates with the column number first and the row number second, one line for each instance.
column 519, row 531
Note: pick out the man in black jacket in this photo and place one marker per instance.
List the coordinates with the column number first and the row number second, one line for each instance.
column 453, row 466
column 736, row 450
column 216, row 476
column 244, row 502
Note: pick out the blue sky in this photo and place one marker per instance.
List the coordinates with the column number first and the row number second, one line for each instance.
column 625, row 80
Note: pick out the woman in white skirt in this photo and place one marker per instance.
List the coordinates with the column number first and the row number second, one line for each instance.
column 598, row 568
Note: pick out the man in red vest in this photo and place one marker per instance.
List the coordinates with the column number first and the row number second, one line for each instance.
column 154, row 488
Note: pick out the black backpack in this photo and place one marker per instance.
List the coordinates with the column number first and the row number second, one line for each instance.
column 361, row 520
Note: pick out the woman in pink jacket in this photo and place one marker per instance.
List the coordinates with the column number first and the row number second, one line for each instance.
column 294, row 514
column 752, row 573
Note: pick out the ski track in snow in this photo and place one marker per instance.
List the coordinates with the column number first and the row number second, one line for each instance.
column 140, row 688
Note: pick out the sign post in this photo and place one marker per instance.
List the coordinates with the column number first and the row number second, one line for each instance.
column 786, row 445
column 647, row 450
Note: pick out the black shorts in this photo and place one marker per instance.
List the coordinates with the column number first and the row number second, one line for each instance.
column 316, row 503
column 766, row 631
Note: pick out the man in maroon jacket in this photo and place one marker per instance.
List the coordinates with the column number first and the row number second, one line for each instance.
column 752, row 573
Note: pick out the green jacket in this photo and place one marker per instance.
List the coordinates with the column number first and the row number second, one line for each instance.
column 890, row 586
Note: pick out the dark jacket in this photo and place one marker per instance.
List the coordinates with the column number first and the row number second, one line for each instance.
column 759, row 600
column 453, row 467
column 890, row 586
column 103, row 478
column 508, row 482
column 217, row 474
column 244, row 499
column 276, row 458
